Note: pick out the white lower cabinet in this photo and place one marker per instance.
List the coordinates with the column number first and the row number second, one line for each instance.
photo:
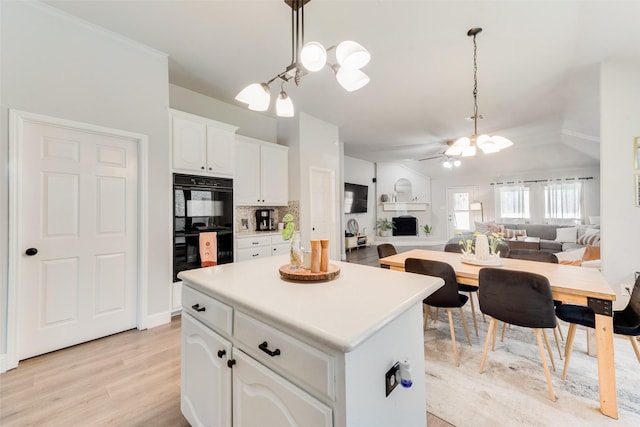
column 206, row 378
column 262, row 398
column 230, row 382
column 260, row 246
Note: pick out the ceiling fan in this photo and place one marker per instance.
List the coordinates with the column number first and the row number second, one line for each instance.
column 447, row 161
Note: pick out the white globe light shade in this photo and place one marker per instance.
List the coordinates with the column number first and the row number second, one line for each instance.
column 469, row 151
column 447, row 164
column 457, row 162
column 255, row 93
column 352, row 55
column 352, row 80
column 501, row 142
column 284, row 105
column 313, row 56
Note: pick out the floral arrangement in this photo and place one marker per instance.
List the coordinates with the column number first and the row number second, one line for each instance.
column 468, row 246
column 289, row 226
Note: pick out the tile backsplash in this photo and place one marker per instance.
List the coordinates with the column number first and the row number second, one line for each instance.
column 248, row 214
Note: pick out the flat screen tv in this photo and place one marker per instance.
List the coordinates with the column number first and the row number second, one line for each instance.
column 355, row 198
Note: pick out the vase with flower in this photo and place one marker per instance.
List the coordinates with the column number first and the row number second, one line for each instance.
column 289, row 233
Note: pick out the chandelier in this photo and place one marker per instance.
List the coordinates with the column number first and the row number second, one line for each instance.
column 308, row 57
column 467, row 146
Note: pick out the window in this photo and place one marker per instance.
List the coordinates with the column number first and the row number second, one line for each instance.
column 563, row 202
column 513, row 202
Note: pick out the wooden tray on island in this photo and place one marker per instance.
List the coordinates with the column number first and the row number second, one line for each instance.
column 304, row 275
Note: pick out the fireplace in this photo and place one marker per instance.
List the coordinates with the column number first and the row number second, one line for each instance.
column 405, row 225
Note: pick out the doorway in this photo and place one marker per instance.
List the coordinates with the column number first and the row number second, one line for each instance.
column 75, row 261
column 459, row 215
column 322, row 208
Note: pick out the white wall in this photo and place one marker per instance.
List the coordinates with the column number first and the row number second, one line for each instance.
column 362, row 172
column 250, row 123
column 619, row 125
column 312, row 143
column 387, row 173
column 56, row 65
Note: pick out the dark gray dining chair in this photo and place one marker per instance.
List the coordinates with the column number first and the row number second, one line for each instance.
column 446, row 297
column 519, row 298
column 471, row 290
column 539, row 256
column 625, row 322
column 385, row 250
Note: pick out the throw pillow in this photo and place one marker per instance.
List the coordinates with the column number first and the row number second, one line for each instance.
column 487, row 227
column 570, row 256
column 592, row 239
column 591, row 253
column 566, row 234
column 512, row 234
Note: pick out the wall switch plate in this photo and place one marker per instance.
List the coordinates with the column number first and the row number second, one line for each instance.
column 390, row 378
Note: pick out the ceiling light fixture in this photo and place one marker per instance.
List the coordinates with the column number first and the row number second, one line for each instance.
column 467, row 146
column 450, row 163
column 311, row 56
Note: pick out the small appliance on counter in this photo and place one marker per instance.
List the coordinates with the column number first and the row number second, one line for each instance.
column 265, row 220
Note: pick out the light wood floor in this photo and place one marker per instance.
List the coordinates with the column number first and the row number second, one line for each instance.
column 127, row 379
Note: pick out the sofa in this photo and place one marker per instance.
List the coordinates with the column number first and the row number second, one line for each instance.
column 553, row 238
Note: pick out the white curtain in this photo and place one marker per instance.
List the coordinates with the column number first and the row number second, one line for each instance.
column 563, row 203
column 513, row 202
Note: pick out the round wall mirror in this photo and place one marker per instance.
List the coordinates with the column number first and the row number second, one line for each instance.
column 403, row 190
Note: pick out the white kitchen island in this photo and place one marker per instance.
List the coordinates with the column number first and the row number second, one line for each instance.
column 259, row 351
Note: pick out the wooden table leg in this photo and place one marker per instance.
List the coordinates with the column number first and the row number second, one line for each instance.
column 606, row 366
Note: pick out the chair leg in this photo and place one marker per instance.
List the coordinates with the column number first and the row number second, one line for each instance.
column 453, row 338
column 495, row 334
column 546, row 341
column 504, row 327
column 567, row 349
column 435, row 316
column 636, row 347
column 473, row 312
column 547, row 374
column 425, row 315
column 560, row 330
column 464, row 324
column 490, row 332
column 555, row 336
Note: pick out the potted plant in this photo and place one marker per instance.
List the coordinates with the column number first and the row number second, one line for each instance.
column 427, row 229
column 384, row 225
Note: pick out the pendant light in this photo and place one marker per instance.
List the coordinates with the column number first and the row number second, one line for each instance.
column 467, row 146
column 308, row 57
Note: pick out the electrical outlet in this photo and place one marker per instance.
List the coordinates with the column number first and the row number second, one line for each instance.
column 390, row 378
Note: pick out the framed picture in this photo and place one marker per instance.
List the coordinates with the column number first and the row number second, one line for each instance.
column 636, row 152
column 637, row 177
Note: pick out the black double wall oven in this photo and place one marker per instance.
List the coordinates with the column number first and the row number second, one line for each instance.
column 201, row 204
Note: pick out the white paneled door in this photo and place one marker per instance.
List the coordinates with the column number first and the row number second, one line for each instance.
column 77, row 274
column 459, row 210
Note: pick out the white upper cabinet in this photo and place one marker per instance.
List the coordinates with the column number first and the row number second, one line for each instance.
column 202, row 145
column 262, row 173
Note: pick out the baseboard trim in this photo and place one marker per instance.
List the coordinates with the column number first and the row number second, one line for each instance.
column 153, row 320
column 3, row 363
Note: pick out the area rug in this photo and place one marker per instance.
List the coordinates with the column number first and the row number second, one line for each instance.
column 512, row 389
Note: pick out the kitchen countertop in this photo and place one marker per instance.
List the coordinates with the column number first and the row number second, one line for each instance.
column 250, row 233
column 341, row 313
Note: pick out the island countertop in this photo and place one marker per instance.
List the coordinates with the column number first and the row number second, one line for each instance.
column 341, row 313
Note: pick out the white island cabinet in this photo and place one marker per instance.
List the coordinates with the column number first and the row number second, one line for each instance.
column 258, row 350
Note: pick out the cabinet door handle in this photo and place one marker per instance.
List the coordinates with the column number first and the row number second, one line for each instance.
column 221, row 353
column 264, row 348
column 255, row 255
column 202, row 167
column 197, row 307
column 231, row 362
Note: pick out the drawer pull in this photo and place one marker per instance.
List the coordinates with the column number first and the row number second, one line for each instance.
column 231, row 362
column 264, row 348
column 255, row 243
column 197, row 307
column 221, row 353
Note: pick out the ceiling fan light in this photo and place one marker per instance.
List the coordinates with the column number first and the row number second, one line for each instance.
column 502, row 142
column 284, row 105
column 454, row 150
column 469, row 151
column 457, row 162
column 462, row 142
column 255, row 94
column 483, row 139
column 489, row 147
column 352, row 55
column 313, row 56
column 447, row 164
column 351, row 80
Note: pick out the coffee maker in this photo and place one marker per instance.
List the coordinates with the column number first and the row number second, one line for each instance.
column 265, row 220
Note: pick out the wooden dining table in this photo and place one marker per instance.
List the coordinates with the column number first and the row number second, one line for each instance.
column 571, row 284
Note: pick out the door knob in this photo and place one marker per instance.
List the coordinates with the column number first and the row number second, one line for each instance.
column 31, row 251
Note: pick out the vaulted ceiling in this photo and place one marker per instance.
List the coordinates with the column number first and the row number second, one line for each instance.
column 538, row 67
